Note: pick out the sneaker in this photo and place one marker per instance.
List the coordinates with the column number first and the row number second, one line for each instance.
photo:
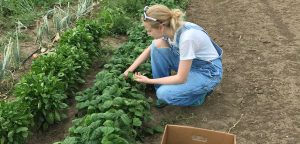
column 210, row 92
column 202, row 100
column 160, row 103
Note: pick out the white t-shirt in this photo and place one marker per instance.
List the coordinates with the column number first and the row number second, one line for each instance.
column 195, row 43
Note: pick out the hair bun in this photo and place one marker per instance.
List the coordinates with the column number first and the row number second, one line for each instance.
column 176, row 13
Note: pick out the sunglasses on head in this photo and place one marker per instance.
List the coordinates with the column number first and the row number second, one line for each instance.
column 147, row 17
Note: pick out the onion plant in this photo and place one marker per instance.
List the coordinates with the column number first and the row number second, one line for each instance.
column 62, row 18
column 84, row 7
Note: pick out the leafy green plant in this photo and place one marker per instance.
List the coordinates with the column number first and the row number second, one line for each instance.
column 59, row 66
column 117, row 16
column 113, row 126
column 45, row 96
column 86, row 35
column 114, row 20
column 81, row 62
column 16, row 120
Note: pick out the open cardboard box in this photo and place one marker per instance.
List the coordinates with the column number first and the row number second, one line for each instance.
column 176, row 134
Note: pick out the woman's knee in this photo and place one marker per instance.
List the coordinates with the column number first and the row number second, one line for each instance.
column 163, row 93
column 170, row 96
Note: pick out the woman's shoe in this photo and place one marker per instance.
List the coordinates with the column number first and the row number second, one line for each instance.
column 210, row 92
column 160, row 103
column 202, row 99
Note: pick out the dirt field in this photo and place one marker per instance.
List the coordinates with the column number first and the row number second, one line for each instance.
column 259, row 97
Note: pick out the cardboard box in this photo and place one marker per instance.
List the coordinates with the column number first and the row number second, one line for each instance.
column 176, row 134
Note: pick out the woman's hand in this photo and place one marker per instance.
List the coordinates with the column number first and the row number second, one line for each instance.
column 140, row 78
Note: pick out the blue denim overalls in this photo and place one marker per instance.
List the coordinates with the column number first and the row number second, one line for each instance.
column 203, row 77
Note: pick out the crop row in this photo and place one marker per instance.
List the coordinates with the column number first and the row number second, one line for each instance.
column 115, row 109
column 41, row 93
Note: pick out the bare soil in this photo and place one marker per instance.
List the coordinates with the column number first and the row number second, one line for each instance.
column 258, row 99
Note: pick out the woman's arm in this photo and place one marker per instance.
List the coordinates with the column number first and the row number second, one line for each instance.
column 143, row 56
column 179, row 78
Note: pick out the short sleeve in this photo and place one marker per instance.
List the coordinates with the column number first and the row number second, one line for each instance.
column 187, row 50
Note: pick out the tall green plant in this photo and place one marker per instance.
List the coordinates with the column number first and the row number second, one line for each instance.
column 8, row 53
column 43, row 31
column 17, row 35
column 44, row 94
column 84, row 7
column 62, row 18
column 11, row 57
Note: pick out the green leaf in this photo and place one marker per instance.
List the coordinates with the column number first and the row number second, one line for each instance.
column 2, row 140
column 118, row 101
column 108, row 123
column 137, row 122
column 78, row 130
column 138, row 113
column 63, row 105
column 21, row 129
column 39, row 105
column 57, row 116
column 50, row 118
column 107, row 130
column 126, row 119
column 106, row 115
column 130, row 75
column 10, row 136
column 107, row 104
column 80, row 98
column 97, row 133
column 82, row 105
column 158, row 129
column 25, row 134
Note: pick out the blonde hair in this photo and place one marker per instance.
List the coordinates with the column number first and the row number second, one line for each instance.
column 169, row 17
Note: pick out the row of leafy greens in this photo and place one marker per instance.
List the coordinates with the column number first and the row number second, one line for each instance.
column 115, row 109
